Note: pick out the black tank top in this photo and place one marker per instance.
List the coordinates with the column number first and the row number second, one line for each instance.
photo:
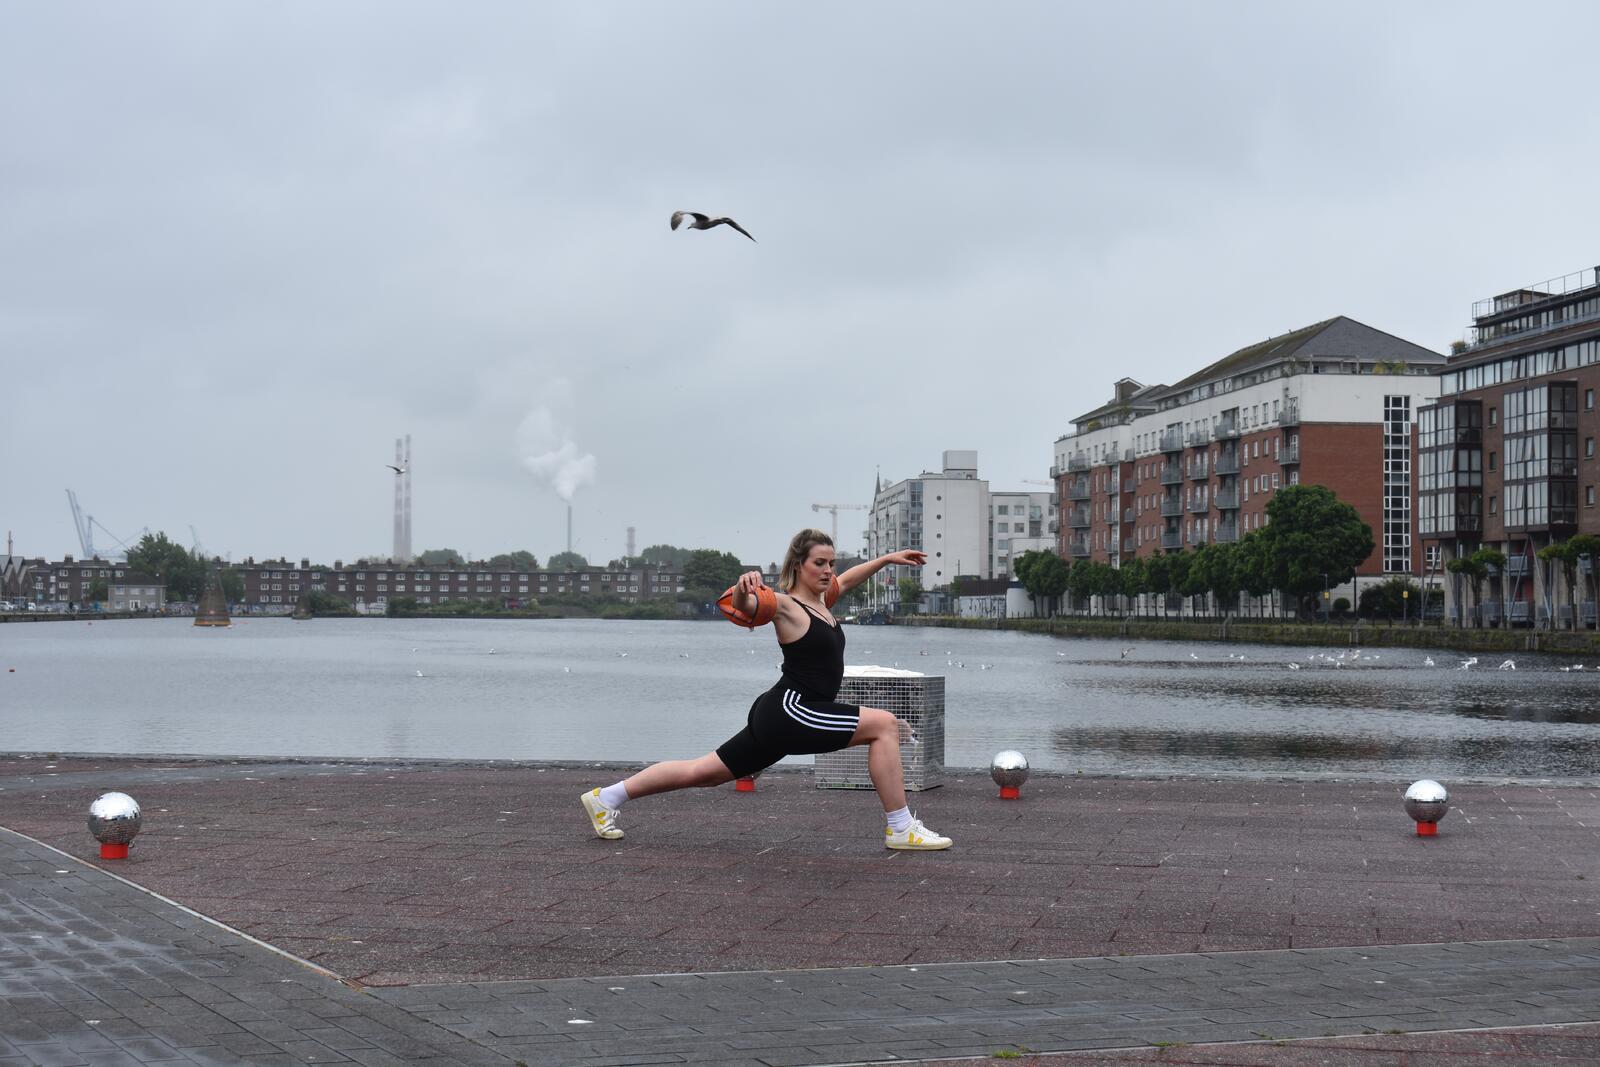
column 814, row 662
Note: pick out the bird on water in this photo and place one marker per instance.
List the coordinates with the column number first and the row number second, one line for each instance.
column 704, row 222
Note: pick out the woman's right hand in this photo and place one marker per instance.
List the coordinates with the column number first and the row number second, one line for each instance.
column 749, row 582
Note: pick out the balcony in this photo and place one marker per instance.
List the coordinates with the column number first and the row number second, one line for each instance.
column 1289, row 455
column 1290, row 415
column 1077, row 462
column 1127, row 514
column 1078, row 518
column 1127, row 545
column 1171, row 506
column 1518, row 567
column 1078, row 547
column 1226, row 430
column 1171, row 474
column 1227, row 533
column 1197, row 538
column 1078, row 490
column 1127, row 485
column 1199, row 472
column 1226, row 499
column 1113, row 485
column 1228, row 463
column 1199, row 438
column 1171, row 540
column 1199, row 506
column 1172, row 441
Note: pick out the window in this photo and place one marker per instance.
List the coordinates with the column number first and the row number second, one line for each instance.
column 1588, row 496
column 1492, row 463
column 1494, row 417
column 1588, row 400
column 1494, row 504
column 1588, row 448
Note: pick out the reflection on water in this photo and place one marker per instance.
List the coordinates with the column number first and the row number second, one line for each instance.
column 590, row 690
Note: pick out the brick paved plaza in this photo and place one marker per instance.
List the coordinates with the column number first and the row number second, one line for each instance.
column 472, row 918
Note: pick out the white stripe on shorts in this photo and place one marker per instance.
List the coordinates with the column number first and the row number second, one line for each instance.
column 817, row 720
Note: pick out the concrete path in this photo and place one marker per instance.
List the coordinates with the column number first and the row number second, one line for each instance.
column 474, row 923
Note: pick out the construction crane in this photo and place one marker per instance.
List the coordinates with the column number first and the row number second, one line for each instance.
column 835, row 509
column 85, row 524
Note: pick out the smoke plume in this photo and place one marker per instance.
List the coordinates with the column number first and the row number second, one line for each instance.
column 545, row 444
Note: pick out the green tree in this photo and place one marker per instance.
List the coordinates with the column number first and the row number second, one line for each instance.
column 1158, row 578
column 910, row 593
column 1250, row 565
column 1312, row 540
column 232, row 585
column 1562, row 554
column 1107, row 584
column 1195, row 579
column 1135, row 577
column 161, row 557
column 98, row 591
column 441, row 557
column 1586, row 549
column 669, row 557
column 1219, row 567
column 563, row 561
column 1051, row 575
column 1475, row 568
column 1388, row 599
column 1080, row 581
column 1179, row 564
column 520, row 560
column 1022, row 570
column 707, row 572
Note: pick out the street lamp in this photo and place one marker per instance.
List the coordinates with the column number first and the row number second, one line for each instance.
column 1327, row 605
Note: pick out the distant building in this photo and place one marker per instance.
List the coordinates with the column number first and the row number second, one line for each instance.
column 136, row 591
column 1506, row 458
column 275, row 587
column 67, row 583
column 1019, row 521
column 1168, row 467
column 945, row 514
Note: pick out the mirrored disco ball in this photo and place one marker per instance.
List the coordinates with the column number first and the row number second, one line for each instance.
column 1427, row 801
column 1009, row 768
column 114, row 819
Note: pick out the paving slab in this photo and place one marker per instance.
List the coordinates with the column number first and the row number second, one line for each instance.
column 465, row 903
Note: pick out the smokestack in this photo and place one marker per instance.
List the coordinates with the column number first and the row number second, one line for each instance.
column 630, row 542
column 569, row 527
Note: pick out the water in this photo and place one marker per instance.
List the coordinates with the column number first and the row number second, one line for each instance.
column 595, row 690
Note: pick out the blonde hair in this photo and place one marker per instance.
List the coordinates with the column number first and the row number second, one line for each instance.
column 799, row 549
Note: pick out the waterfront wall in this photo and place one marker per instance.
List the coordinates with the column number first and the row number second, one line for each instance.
column 1322, row 635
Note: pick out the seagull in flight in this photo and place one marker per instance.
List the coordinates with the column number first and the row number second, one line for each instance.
column 397, row 470
column 705, row 222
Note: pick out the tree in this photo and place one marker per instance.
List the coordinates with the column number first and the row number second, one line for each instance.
column 1195, row 580
column 1135, row 577
column 1388, row 599
column 161, row 557
column 441, row 557
column 1475, row 568
column 566, row 561
column 910, row 592
column 232, row 585
column 1561, row 553
column 1250, row 564
column 1158, row 578
column 1312, row 540
column 707, row 572
column 1022, row 569
column 520, row 560
column 1080, row 580
column 1586, row 547
column 1050, row 576
column 97, row 590
column 1219, row 572
column 668, row 557
column 1179, row 564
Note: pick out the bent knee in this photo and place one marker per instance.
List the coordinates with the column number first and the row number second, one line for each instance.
column 875, row 722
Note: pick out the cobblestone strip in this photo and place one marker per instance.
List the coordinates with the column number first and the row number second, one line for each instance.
column 94, row 971
column 940, row 1011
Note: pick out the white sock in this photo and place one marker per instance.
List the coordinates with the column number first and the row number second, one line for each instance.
column 613, row 796
column 899, row 821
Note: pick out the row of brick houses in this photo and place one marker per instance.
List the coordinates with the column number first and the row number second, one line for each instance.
column 272, row 586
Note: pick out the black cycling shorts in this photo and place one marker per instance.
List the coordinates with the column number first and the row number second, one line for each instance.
column 786, row 722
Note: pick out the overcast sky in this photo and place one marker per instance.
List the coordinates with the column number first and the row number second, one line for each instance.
column 243, row 247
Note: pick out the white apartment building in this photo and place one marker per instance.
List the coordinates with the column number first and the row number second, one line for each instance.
column 945, row 514
column 1019, row 521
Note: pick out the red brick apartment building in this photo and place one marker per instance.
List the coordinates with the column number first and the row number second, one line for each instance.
column 1166, row 467
column 1506, row 457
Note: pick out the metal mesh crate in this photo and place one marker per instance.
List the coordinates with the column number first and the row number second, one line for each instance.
column 915, row 698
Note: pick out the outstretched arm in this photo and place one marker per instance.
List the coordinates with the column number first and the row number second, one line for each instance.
column 862, row 571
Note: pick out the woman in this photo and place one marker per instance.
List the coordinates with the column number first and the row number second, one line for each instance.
column 798, row 715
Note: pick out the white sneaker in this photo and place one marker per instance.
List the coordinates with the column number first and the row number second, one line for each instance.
column 602, row 820
column 915, row 838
